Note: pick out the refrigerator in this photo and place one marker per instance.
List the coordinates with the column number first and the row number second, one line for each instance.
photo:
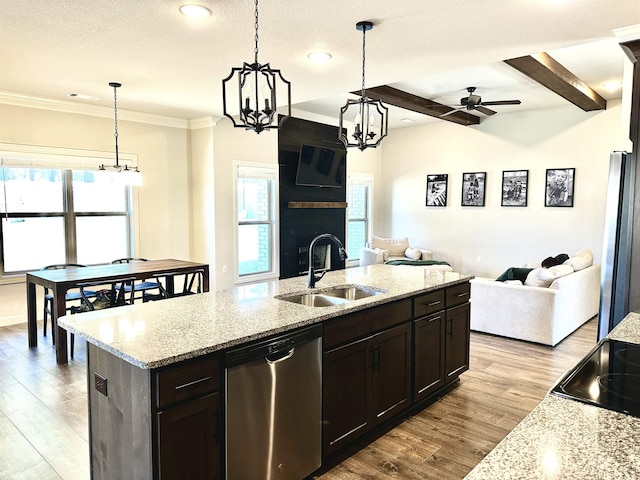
column 617, row 246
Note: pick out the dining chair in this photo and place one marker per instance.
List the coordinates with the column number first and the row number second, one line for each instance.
column 114, row 296
column 139, row 287
column 69, row 297
column 192, row 284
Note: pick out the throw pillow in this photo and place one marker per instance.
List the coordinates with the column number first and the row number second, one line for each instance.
column 396, row 246
column 540, row 277
column 557, row 260
column 582, row 259
column 426, row 254
column 413, row 253
column 514, row 273
column 561, row 270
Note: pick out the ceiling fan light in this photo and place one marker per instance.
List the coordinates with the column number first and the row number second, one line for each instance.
column 612, row 85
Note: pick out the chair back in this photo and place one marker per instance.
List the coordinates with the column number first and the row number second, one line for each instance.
column 129, row 260
column 60, row 266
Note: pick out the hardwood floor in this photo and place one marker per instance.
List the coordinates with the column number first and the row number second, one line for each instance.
column 43, row 411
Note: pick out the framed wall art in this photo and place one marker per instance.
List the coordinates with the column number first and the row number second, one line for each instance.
column 559, row 187
column 515, row 186
column 473, row 189
column 437, row 190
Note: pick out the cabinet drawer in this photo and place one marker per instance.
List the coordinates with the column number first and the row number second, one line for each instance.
column 349, row 327
column 187, row 381
column 458, row 295
column 428, row 303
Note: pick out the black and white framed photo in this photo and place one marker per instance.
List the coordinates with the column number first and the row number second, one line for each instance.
column 437, row 190
column 559, row 188
column 473, row 189
column 515, row 186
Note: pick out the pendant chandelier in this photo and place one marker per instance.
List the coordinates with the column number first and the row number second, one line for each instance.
column 131, row 175
column 256, row 93
column 370, row 116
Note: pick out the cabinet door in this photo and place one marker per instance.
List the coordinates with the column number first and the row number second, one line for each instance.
column 457, row 341
column 391, row 352
column 346, row 373
column 428, row 335
column 188, row 440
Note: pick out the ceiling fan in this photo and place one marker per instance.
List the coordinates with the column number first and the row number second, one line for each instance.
column 474, row 102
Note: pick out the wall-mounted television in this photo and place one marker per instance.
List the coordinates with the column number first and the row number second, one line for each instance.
column 321, row 167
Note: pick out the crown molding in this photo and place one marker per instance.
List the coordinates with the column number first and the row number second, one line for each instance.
column 627, row 34
column 203, row 122
column 42, row 103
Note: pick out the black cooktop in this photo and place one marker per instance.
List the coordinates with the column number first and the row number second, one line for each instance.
column 608, row 377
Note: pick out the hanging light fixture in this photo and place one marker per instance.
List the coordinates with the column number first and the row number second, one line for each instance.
column 132, row 175
column 257, row 92
column 369, row 116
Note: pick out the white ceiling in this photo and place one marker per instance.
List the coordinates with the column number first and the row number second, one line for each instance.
column 172, row 65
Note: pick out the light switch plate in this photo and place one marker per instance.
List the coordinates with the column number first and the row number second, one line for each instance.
column 100, row 383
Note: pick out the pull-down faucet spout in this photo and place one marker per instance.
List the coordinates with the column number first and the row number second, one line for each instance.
column 312, row 278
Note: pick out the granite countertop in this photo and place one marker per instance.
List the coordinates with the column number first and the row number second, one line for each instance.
column 567, row 439
column 156, row 334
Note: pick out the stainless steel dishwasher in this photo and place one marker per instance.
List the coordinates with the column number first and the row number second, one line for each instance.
column 274, row 407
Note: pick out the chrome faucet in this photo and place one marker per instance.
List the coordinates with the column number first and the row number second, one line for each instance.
column 343, row 255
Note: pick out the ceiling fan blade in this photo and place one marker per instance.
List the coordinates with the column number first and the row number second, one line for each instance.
column 449, row 112
column 484, row 110
column 503, row 102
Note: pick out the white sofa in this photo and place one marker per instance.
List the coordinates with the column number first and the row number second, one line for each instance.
column 384, row 249
column 537, row 314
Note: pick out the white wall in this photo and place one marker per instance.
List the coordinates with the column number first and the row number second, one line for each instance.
column 163, row 202
column 501, row 236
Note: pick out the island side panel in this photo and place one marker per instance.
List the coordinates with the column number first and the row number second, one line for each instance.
column 120, row 422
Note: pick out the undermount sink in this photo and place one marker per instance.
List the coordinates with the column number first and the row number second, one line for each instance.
column 331, row 296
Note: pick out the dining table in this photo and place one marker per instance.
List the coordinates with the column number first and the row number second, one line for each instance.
column 61, row 280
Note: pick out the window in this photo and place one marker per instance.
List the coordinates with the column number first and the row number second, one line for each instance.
column 359, row 194
column 255, row 219
column 52, row 215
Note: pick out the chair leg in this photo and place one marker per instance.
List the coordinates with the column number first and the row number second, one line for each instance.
column 73, row 341
column 44, row 316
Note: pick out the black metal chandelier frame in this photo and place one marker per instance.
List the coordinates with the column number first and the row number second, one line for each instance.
column 250, row 77
column 365, row 133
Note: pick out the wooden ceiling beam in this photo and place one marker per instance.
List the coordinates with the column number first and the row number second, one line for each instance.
column 548, row 72
column 409, row 101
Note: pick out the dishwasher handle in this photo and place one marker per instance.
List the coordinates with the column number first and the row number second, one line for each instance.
column 280, row 356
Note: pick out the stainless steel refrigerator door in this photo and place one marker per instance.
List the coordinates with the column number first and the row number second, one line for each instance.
column 274, row 412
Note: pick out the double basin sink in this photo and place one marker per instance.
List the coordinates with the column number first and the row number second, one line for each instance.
column 331, row 296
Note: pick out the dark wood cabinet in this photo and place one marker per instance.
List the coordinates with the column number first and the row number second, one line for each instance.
column 188, row 440
column 366, row 372
column 457, row 326
column 428, row 341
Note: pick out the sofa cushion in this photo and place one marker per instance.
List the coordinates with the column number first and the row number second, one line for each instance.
column 395, row 246
column 544, row 277
column 581, row 260
column 413, row 253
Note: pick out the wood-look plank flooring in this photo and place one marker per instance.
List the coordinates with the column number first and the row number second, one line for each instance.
column 44, row 430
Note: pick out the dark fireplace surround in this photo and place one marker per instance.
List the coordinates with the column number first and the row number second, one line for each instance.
column 306, row 212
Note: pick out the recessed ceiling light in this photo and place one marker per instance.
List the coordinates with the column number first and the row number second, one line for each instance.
column 82, row 96
column 319, row 57
column 612, row 84
column 407, row 120
column 195, row 11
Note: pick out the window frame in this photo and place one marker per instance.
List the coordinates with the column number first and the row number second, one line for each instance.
column 273, row 222
column 67, row 161
column 360, row 179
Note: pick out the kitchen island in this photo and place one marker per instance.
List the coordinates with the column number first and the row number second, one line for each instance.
column 157, row 370
column 567, row 439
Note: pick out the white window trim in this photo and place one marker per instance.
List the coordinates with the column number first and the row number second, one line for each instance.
column 275, row 254
column 368, row 180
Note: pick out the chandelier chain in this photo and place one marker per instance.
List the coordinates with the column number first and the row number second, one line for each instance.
column 256, row 38
column 115, row 112
column 364, row 33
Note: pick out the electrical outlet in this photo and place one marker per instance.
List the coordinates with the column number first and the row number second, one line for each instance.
column 100, row 383
column 478, row 259
column 224, row 269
